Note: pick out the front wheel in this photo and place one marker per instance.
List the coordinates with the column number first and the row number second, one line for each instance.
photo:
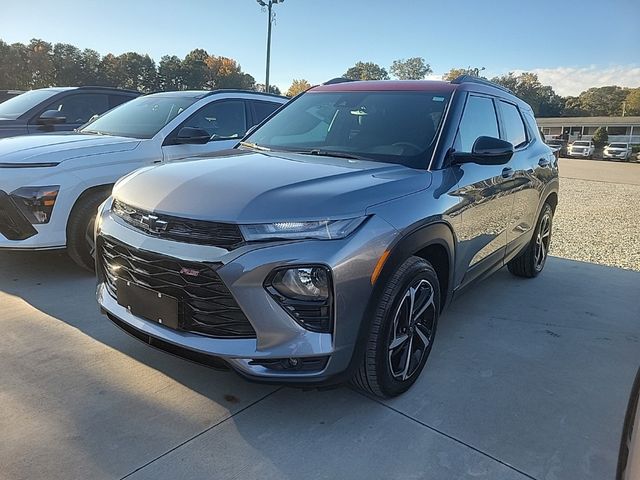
column 402, row 330
column 80, row 241
column 532, row 260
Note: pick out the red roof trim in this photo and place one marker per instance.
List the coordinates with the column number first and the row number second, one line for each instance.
column 388, row 85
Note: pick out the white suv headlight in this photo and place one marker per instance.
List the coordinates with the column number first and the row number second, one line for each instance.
column 319, row 230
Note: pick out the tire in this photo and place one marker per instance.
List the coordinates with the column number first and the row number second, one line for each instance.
column 80, row 243
column 529, row 263
column 384, row 372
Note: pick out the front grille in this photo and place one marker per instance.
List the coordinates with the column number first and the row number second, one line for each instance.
column 224, row 235
column 206, row 304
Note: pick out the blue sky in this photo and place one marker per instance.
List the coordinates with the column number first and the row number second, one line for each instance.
column 318, row 39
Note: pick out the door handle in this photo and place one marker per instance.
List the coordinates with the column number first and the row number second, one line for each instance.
column 507, row 172
column 544, row 162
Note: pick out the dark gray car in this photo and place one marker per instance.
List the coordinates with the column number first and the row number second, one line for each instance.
column 326, row 245
column 57, row 109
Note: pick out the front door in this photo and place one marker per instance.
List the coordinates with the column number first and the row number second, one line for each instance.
column 485, row 192
column 226, row 122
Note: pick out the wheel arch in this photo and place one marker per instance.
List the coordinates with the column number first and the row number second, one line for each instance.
column 88, row 191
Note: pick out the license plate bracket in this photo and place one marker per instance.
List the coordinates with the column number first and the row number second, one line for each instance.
column 147, row 303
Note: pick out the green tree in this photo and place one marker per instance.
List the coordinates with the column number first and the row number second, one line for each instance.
column 600, row 137
column 366, row 71
column 415, row 68
column 272, row 89
column 297, row 87
column 38, row 57
column 632, row 106
column 542, row 99
column 138, row 72
column 170, row 74
column 456, row 72
column 606, row 101
column 67, row 65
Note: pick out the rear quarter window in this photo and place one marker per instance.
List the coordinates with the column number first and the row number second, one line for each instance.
column 514, row 129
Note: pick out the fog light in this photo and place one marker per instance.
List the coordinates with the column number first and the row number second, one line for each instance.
column 305, row 293
column 307, row 283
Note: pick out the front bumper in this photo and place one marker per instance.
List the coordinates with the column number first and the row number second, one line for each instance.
column 620, row 155
column 14, row 226
column 584, row 154
column 243, row 271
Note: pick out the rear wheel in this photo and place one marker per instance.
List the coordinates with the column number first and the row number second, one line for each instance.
column 532, row 260
column 402, row 330
column 80, row 241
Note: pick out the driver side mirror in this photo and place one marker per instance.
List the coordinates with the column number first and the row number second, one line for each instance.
column 192, row 135
column 51, row 117
column 486, row 151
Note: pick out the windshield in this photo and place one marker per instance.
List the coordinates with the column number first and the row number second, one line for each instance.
column 581, row 144
column 618, row 145
column 142, row 117
column 16, row 106
column 393, row 127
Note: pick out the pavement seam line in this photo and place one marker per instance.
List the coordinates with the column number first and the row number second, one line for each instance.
column 450, row 437
column 201, row 433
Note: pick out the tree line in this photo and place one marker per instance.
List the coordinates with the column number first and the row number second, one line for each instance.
column 597, row 101
column 41, row 64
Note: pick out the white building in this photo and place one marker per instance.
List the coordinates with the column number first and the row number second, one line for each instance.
column 620, row 129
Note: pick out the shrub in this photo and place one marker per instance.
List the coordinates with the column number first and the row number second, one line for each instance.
column 600, row 137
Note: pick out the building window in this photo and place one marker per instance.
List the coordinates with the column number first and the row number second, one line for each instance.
column 619, row 130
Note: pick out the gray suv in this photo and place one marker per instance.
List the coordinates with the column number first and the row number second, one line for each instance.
column 325, row 246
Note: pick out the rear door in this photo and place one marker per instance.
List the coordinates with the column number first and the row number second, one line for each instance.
column 486, row 192
column 226, row 120
column 532, row 163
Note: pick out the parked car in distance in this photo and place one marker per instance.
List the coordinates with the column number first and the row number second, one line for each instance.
column 581, row 149
column 559, row 145
column 7, row 94
column 617, row 150
column 325, row 246
column 57, row 109
column 51, row 185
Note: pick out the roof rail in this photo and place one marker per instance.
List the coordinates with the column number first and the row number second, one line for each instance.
column 333, row 81
column 81, row 87
column 481, row 81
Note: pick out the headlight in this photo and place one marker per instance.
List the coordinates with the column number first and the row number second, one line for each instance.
column 305, row 293
column 36, row 202
column 320, row 230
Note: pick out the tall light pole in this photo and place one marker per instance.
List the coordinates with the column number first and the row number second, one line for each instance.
column 268, row 6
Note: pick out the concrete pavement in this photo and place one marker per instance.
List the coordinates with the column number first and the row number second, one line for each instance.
column 527, row 379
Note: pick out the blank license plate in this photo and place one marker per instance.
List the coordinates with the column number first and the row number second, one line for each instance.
column 146, row 303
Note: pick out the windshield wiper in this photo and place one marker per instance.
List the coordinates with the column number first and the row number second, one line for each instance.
column 330, row 153
column 255, row 146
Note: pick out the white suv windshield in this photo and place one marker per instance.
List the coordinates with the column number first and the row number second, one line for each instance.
column 142, row 117
column 618, row 145
column 581, row 144
column 16, row 106
column 385, row 126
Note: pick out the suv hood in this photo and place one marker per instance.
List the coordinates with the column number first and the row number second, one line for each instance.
column 250, row 187
column 56, row 148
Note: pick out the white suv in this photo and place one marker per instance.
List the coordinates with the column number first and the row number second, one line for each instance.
column 51, row 185
column 621, row 151
column 582, row 149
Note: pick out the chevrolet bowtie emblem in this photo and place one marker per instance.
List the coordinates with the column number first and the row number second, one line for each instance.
column 154, row 224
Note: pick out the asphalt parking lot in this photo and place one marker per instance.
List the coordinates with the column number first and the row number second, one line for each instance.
column 527, row 379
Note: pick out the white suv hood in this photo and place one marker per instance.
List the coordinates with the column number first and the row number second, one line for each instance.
column 56, row 148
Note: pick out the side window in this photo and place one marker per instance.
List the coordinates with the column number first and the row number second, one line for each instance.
column 262, row 110
column 478, row 119
column 223, row 120
column 79, row 108
column 513, row 127
column 115, row 100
